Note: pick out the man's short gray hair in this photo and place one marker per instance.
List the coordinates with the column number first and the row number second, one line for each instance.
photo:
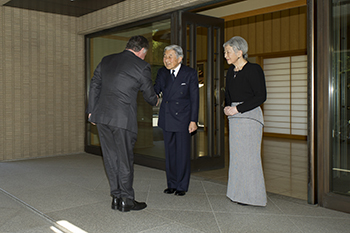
column 178, row 50
column 238, row 44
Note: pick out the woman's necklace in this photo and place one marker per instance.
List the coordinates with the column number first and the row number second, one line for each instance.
column 235, row 73
column 240, row 67
column 237, row 69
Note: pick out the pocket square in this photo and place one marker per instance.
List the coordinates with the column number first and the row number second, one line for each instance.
column 183, row 84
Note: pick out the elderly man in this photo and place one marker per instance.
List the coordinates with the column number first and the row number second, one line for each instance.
column 178, row 116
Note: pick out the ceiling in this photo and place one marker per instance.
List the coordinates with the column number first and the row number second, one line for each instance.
column 64, row 7
column 78, row 8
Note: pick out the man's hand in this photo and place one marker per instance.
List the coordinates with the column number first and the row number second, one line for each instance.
column 157, row 100
column 192, row 127
column 89, row 118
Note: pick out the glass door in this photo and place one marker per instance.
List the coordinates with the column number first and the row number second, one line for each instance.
column 202, row 38
column 340, row 85
column 149, row 149
column 332, row 104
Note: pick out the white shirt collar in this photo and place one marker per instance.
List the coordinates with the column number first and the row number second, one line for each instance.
column 177, row 69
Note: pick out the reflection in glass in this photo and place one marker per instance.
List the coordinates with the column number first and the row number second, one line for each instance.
column 340, row 87
column 202, row 61
column 216, row 97
column 150, row 137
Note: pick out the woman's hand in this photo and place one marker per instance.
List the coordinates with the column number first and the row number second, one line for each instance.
column 230, row 111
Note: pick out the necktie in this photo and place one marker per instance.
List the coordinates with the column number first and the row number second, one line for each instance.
column 173, row 74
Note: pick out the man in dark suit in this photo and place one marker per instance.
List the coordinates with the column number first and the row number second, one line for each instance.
column 113, row 108
column 178, row 117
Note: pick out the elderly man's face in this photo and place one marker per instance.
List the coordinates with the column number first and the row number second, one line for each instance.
column 171, row 61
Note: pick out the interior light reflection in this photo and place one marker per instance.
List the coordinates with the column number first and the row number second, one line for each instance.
column 54, row 229
column 67, row 225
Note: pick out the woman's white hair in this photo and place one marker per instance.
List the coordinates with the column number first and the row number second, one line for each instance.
column 238, row 44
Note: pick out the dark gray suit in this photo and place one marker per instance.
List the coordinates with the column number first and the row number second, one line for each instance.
column 113, row 107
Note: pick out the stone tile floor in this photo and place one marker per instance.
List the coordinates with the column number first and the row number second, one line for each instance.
column 71, row 194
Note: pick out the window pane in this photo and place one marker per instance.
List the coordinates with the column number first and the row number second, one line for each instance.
column 150, row 137
column 286, row 104
column 202, row 61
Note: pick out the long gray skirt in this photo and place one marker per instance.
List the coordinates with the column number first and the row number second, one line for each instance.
column 246, row 182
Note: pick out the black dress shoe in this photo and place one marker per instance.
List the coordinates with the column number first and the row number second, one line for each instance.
column 115, row 203
column 180, row 193
column 127, row 204
column 169, row 191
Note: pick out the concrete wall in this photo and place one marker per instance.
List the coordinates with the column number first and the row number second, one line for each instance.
column 41, row 84
column 130, row 11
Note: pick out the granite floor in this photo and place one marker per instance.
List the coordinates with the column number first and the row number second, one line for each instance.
column 71, row 194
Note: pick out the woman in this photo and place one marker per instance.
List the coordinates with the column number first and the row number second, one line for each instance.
column 245, row 92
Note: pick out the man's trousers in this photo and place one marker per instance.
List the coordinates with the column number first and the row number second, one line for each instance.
column 117, row 148
column 177, row 159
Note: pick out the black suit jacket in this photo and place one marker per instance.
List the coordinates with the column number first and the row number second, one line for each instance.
column 180, row 99
column 114, row 87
